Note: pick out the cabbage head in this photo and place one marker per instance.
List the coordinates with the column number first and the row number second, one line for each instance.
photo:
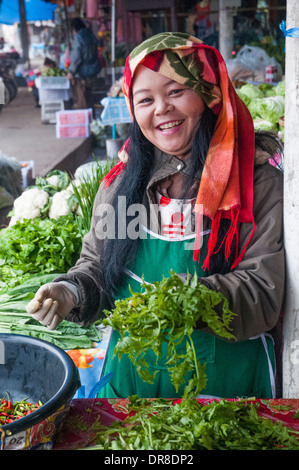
column 272, row 108
column 251, row 91
column 243, row 97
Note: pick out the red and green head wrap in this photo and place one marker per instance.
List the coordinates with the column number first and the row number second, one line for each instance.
column 226, row 187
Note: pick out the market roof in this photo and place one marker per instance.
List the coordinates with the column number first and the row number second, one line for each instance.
column 36, row 10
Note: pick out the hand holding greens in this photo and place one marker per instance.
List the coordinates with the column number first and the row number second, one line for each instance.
column 168, row 311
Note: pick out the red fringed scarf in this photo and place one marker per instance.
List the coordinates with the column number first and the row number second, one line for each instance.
column 226, row 187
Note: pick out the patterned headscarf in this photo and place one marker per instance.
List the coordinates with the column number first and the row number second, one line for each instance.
column 226, row 186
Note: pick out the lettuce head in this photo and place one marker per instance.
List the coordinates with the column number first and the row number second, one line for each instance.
column 251, row 91
column 243, row 97
column 272, row 108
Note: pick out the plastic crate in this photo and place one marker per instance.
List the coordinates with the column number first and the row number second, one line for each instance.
column 115, row 111
column 54, row 95
column 49, row 110
column 52, row 83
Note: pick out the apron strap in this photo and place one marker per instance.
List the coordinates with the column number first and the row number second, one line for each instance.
column 271, row 372
column 135, row 277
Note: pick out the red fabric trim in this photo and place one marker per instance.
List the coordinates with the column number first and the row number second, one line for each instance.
column 116, row 170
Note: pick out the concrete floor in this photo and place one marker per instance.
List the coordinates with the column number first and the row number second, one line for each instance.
column 23, row 136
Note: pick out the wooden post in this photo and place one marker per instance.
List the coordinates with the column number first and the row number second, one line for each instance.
column 291, row 209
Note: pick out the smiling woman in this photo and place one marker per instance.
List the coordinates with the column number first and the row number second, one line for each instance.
column 210, row 209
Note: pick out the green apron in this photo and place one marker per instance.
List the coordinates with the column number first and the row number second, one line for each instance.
column 238, row 369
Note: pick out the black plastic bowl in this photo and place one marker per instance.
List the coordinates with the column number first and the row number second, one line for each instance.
column 35, row 370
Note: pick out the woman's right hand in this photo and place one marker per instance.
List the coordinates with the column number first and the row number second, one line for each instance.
column 52, row 304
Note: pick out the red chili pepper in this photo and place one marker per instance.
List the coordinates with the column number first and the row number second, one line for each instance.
column 9, row 405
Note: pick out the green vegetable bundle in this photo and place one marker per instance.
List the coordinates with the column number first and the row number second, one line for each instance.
column 266, row 104
column 189, row 425
column 54, row 72
column 38, row 246
column 168, row 311
column 15, row 319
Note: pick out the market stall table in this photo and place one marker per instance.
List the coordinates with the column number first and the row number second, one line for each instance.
column 78, row 432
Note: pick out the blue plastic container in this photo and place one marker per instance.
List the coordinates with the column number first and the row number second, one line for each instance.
column 35, row 370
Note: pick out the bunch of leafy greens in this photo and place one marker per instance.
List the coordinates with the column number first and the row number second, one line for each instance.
column 15, row 319
column 38, row 246
column 161, row 424
column 168, row 311
column 266, row 104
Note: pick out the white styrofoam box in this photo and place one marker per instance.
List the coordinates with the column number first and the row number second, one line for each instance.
column 54, row 95
column 72, row 131
column 74, row 117
column 73, row 123
column 49, row 110
column 52, row 83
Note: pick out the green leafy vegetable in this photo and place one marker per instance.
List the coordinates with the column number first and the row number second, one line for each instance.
column 168, row 311
column 251, row 91
column 86, row 187
column 243, row 97
column 15, row 319
column 266, row 104
column 271, row 108
column 38, row 247
column 267, row 88
column 161, row 424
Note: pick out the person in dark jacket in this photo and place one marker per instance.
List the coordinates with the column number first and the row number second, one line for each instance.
column 84, row 63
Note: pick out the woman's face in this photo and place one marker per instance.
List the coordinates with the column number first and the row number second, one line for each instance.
column 168, row 113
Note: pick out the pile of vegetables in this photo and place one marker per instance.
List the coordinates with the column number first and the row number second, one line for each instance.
column 43, row 240
column 161, row 424
column 10, row 412
column 50, row 197
column 168, row 311
column 54, row 72
column 15, row 319
column 47, row 225
column 38, row 246
column 266, row 103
